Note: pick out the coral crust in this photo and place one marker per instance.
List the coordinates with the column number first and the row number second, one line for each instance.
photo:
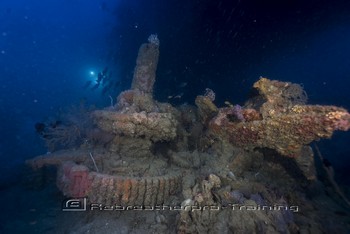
column 285, row 126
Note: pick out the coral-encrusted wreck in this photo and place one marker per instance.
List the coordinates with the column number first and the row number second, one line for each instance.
column 202, row 156
column 282, row 122
column 126, row 172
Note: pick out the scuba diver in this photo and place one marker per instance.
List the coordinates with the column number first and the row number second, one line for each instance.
column 104, row 78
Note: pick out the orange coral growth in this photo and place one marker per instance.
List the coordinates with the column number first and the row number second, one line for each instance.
column 251, row 115
column 284, row 126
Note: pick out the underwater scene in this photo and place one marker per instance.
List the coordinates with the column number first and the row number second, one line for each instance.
column 198, row 116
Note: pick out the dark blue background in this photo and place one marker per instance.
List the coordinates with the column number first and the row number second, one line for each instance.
column 48, row 48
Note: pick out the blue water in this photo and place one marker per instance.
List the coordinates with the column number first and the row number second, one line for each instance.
column 50, row 49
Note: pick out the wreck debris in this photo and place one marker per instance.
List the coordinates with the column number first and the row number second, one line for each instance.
column 217, row 209
column 306, row 163
column 146, row 66
column 154, row 126
column 59, row 157
column 138, row 115
column 330, row 176
column 78, row 181
column 284, row 127
column 153, row 151
column 129, row 172
column 206, row 108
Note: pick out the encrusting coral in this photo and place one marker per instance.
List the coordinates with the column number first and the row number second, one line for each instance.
column 154, row 154
column 285, row 126
column 136, row 122
column 154, row 126
column 146, row 66
column 138, row 115
column 78, row 181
